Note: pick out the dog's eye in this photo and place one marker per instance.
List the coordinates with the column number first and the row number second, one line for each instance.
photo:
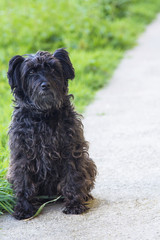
column 32, row 71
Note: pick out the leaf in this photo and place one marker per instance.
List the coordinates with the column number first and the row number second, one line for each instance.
column 41, row 208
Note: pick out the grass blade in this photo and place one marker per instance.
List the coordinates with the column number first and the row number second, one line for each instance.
column 41, row 208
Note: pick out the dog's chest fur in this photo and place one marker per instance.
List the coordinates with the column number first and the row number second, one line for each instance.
column 45, row 140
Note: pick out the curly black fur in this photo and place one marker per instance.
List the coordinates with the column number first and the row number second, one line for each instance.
column 49, row 155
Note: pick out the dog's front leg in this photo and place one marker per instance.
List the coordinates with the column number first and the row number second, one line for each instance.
column 24, row 205
column 24, row 191
column 74, row 192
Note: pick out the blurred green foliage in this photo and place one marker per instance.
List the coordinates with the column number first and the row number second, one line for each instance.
column 95, row 32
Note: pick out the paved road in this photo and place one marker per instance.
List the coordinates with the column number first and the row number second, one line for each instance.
column 123, row 127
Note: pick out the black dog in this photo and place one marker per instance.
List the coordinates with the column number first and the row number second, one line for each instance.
column 49, row 155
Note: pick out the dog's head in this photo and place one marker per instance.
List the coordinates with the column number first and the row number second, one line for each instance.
column 41, row 79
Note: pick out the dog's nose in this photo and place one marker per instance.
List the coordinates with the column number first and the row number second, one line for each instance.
column 45, row 85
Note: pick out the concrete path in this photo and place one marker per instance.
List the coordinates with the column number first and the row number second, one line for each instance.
column 123, row 127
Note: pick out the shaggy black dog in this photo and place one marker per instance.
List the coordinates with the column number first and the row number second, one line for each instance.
column 49, row 155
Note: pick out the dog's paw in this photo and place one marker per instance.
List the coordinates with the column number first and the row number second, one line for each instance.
column 20, row 215
column 75, row 209
column 22, row 211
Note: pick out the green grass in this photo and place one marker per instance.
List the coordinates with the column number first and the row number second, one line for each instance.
column 6, row 194
column 95, row 32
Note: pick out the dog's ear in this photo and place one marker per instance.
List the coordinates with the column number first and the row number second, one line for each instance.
column 62, row 56
column 14, row 73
